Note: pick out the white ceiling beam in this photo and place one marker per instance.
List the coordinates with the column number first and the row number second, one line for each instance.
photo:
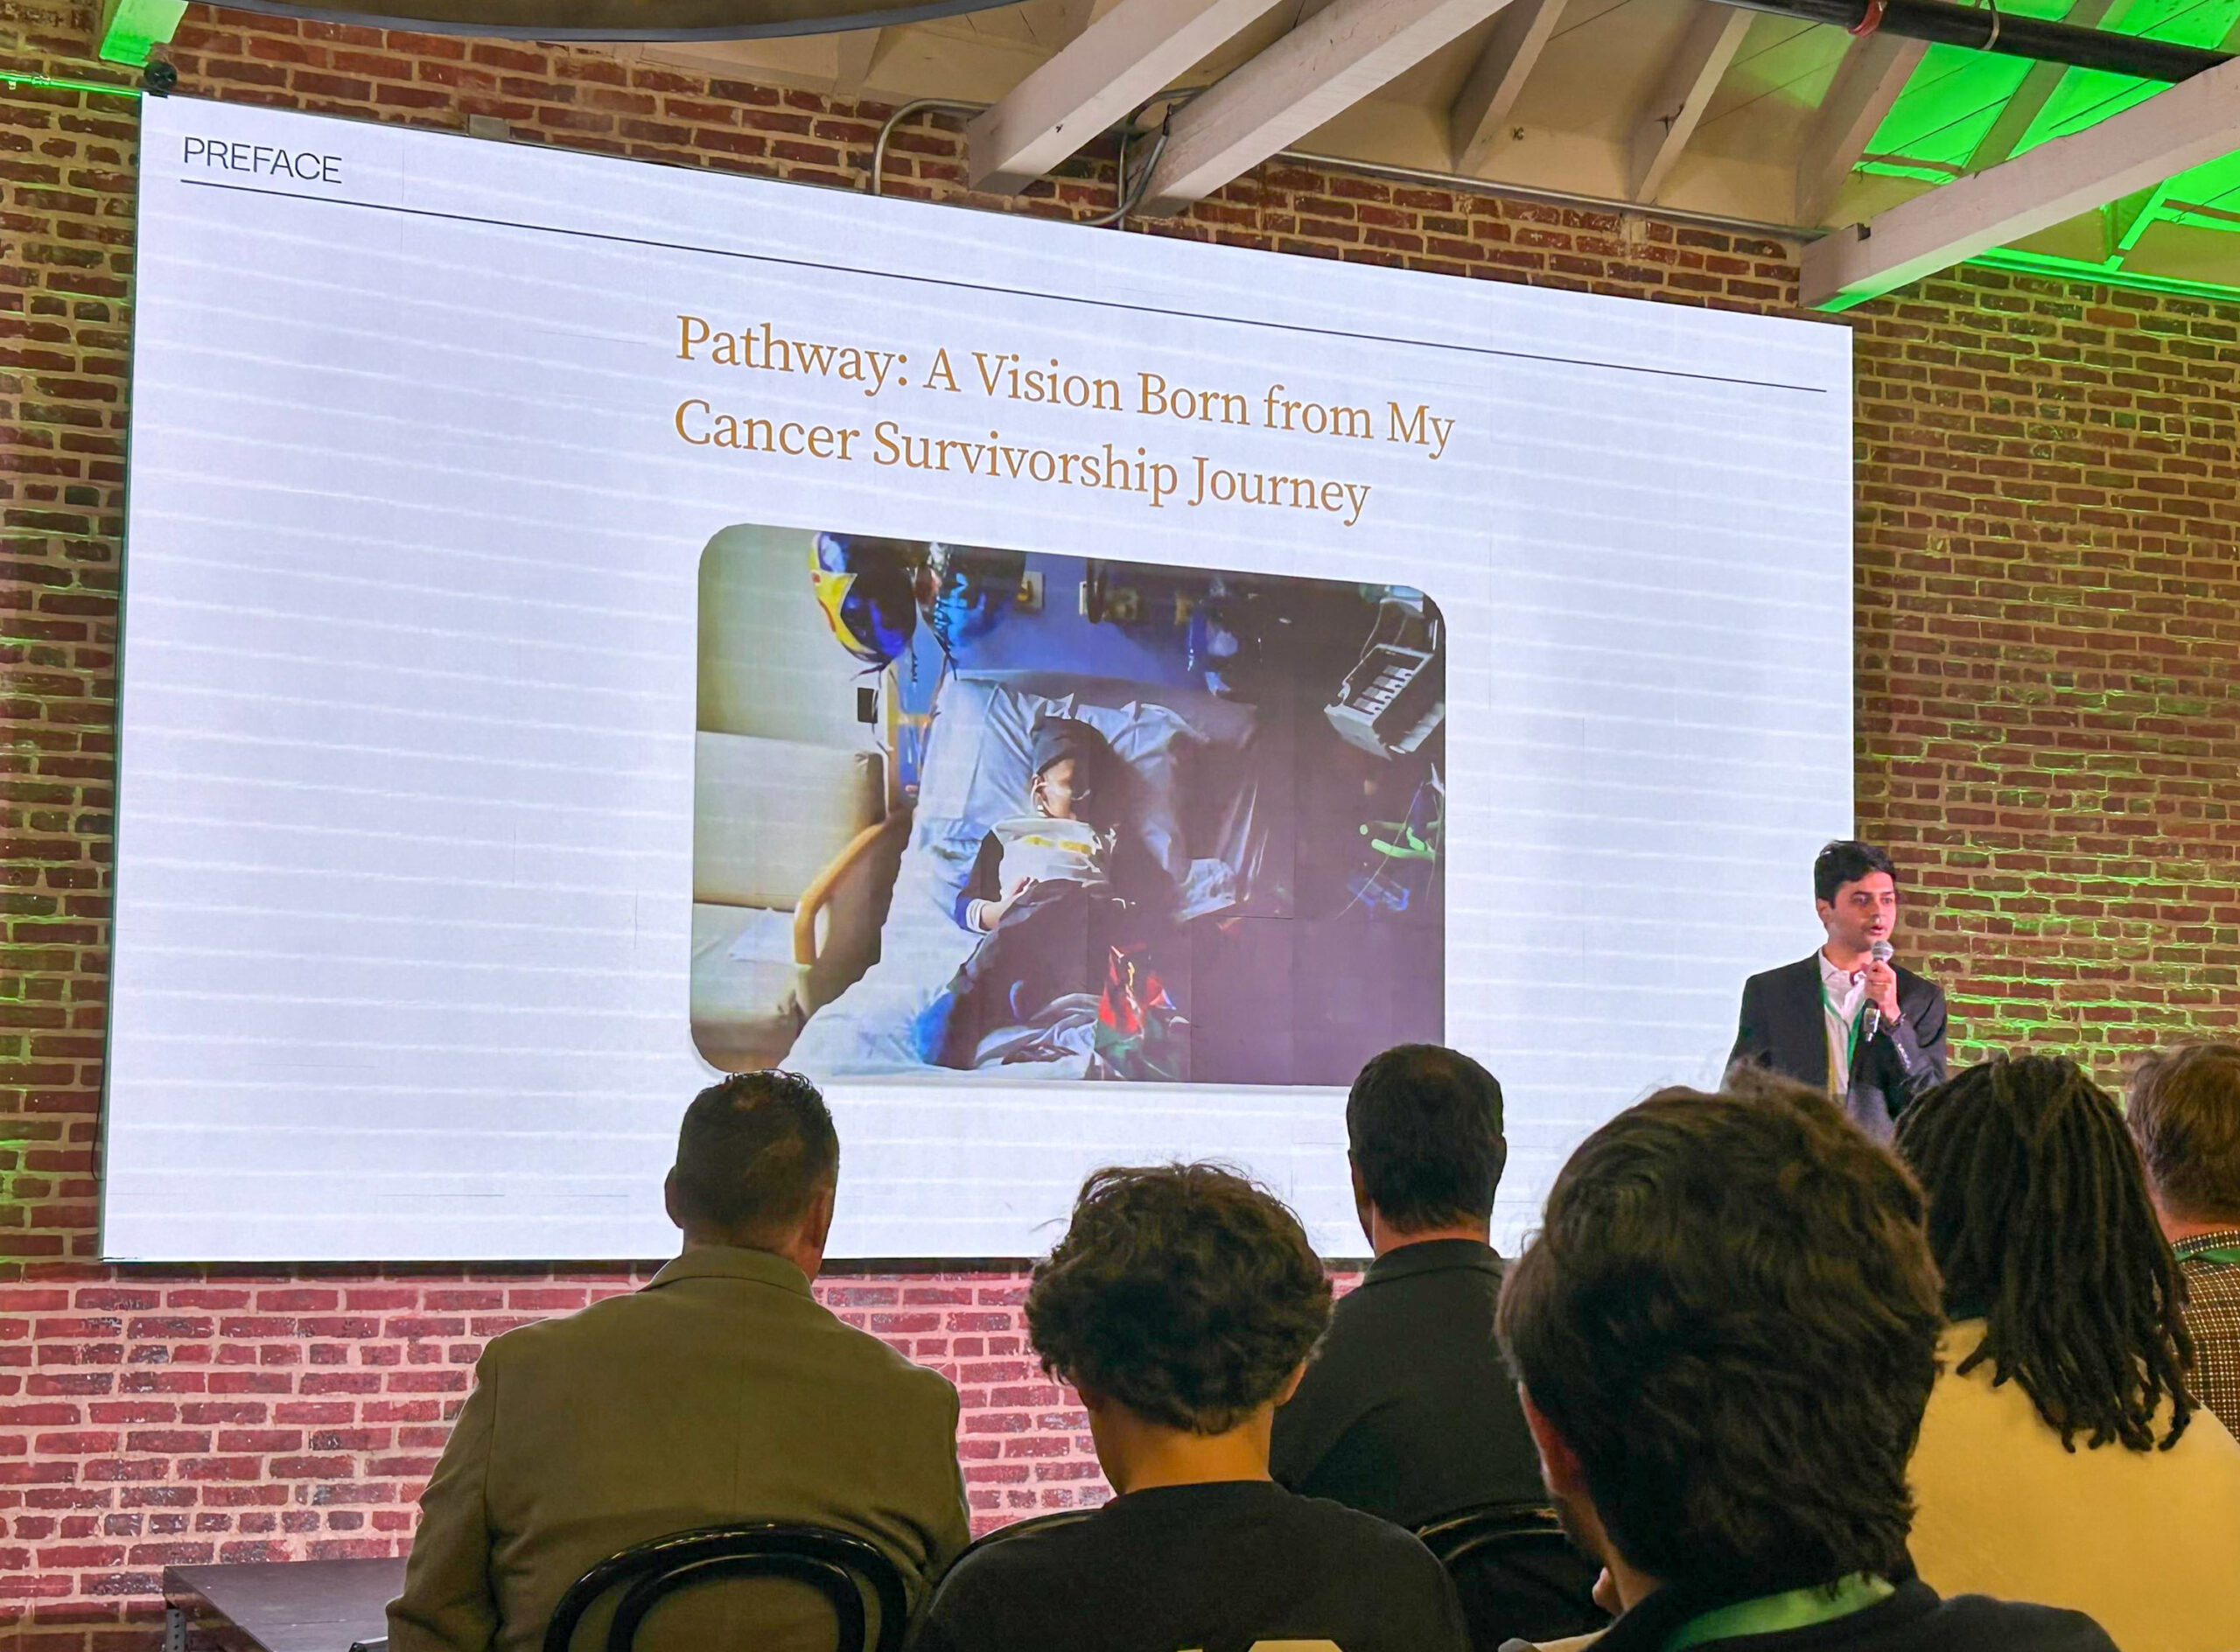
column 858, row 50
column 1675, row 109
column 2192, row 122
column 1475, row 124
column 2038, row 87
column 1874, row 70
column 1125, row 56
column 1325, row 65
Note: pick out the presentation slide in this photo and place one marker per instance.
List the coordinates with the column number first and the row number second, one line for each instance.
column 1076, row 694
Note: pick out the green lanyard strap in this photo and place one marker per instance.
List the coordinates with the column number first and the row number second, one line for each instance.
column 2228, row 1255
column 1851, row 1045
column 1793, row 1609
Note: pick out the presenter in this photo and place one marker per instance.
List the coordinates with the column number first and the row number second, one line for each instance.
column 1847, row 1019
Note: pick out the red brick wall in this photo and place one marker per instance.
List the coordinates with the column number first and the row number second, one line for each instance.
column 2048, row 651
column 2049, row 594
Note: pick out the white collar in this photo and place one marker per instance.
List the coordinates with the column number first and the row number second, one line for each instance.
column 1834, row 976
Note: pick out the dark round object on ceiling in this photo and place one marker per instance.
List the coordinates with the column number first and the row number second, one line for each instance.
column 620, row 19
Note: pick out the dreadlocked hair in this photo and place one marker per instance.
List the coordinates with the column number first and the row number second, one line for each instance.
column 2040, row 1221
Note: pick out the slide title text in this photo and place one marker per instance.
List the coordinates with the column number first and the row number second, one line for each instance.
column 1160, row 477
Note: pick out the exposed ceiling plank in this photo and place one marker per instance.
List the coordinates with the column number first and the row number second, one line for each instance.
column 1481, row 112
column 2037, row 89
column 1670, row 116
column 1326, row 65
column 2123, row 221
column 1874, row 70
column 858, row 50
column 2173, row 131
column 1058, row 23
column 1063, row 21
column 1130, row 53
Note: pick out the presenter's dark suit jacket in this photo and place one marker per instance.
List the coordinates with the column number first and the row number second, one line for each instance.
column 1783, row 1029
column 721, row 1392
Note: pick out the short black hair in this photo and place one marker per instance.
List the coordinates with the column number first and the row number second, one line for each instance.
column 2039, row 1217
column 1098, row 772
column 1731, row 1316
column 1846, row 861
column 752, row 1154
column 2185, row 1115
column 1186, row 1293
column 1424, row 1125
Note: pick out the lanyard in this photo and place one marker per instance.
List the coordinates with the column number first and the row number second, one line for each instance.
column 1794, row 1609
column 1850, row 1033
column 2228, row 1255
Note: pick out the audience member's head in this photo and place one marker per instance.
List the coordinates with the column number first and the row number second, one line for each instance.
column 757, row 1164
column 1423, row 1131
column 1725, row 1333
column 2040, row 1221
column 2185, row 1115
column 1183, row 1295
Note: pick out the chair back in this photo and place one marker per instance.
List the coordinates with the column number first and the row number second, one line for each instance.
column 1518, row 1576
column 839, row 1566
column 1020, row 1527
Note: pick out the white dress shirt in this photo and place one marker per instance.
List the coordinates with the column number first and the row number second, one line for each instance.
column 1842, row 995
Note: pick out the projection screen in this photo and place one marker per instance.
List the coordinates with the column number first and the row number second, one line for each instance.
column 1072, row 693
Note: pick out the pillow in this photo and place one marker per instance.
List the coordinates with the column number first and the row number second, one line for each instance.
column 979, row 760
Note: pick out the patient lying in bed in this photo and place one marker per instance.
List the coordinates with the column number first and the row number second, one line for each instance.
column 1054, row 890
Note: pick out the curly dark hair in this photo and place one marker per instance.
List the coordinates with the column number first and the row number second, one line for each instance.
column 753, row 1152
column 1187, row 1294
column 1731, row 1317
column 1425, row 1128
column 2039, row 1219
column 2185, row 1115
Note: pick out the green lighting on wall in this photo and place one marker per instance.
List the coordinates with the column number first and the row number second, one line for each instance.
column 2077, row 270
column 131, row 29
column 10, row 78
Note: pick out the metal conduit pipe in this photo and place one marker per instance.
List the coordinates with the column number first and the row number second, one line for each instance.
column 886, row 129
column 1988, row 29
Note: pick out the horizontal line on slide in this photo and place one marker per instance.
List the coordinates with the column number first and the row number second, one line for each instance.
column 1014, row 292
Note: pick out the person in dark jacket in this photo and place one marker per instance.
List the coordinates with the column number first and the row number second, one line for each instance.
column 1846, row 1020
column 1407, row 1412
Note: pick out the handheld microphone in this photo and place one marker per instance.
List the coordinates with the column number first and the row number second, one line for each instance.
column 1882, row 950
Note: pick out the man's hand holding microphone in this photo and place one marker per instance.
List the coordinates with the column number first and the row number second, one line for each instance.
column 1881, row 992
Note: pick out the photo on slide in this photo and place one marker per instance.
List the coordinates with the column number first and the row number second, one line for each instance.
column 969, row 810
